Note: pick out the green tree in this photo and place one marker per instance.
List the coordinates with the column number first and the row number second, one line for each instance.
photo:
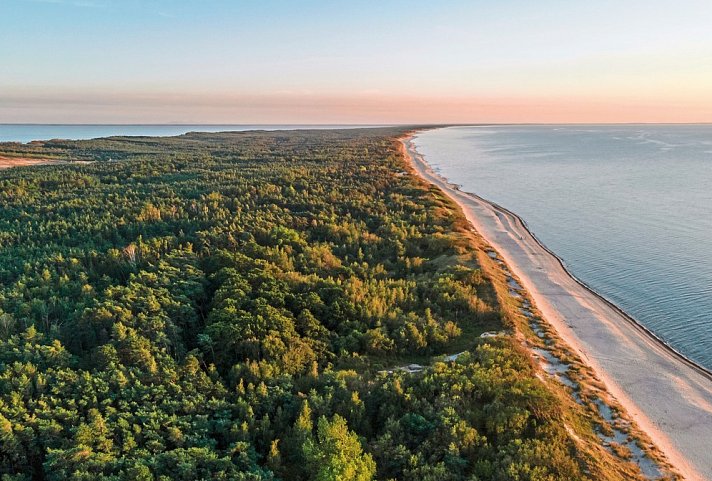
column 336, row 454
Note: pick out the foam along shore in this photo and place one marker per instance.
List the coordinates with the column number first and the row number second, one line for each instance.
column 668, row 396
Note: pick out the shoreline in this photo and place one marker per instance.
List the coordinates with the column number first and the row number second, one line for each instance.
column 628, row 317
column 602, row 333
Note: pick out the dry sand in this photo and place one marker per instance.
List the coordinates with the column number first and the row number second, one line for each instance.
column 668, row 396
column 7, row 162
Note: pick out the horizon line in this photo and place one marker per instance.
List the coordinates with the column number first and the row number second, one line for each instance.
column 366, row 124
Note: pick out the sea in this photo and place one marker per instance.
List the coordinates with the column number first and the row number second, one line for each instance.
column 29, row 132
column 628, row 208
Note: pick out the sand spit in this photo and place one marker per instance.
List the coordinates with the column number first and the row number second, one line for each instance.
column 669, row 397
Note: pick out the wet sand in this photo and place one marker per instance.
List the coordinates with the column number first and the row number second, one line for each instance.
column 668, row 396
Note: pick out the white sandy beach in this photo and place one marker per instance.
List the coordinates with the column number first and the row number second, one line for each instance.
column 669, row 397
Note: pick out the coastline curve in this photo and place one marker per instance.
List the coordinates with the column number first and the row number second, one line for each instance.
column 629, row 317
column 636, row 366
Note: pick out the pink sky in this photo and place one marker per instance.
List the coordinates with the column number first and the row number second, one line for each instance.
column 278, row 61
column 361, row 108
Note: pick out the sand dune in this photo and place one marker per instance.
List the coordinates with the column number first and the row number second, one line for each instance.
column 7, row 162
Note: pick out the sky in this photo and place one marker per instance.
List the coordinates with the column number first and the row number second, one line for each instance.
column 380, row 61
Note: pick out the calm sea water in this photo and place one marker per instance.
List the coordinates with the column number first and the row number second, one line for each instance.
column 628, row 209
column 30, row 132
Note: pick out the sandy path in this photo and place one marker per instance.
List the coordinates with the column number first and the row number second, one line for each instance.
column 669, row 397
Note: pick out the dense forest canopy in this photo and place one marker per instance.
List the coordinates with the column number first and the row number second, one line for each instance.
column 231, row 306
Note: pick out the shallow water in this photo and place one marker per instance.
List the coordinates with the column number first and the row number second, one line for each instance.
column 628, row 208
